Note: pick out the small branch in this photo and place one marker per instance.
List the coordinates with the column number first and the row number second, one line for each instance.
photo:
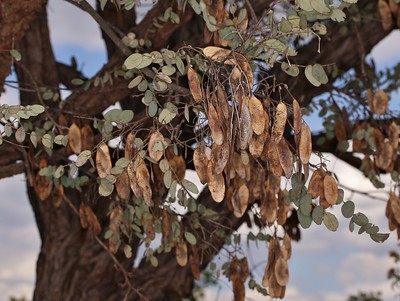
column 85, row 6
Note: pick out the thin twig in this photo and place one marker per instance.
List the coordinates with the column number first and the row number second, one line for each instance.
column 85, row 6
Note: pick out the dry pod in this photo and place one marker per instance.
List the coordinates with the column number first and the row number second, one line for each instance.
column 279, row 123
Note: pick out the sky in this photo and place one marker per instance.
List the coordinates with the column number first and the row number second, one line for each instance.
column 325, row 266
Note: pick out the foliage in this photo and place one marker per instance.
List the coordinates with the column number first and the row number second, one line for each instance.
column 227, row 111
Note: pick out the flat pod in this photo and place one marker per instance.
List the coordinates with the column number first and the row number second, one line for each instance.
column 380, row 102
column 181, row 253
column 143, row 181
column 296, row 121
column 122, row 185
column 257, row 115
column 245, row 126
column 103, row 160
column 316, row 184
column 279, row 123
column 130, row 150
column 305, row 145
column 217, row 54
column 256, row 144
column 394, row 203
column 133, row 182
column 219, row 157
column 215, row 125
column 385, row 14
column 216, row 184
column 74, row 138
column 393, row 135
column 240, row 200
column 200, row 162
column 273, row 160
column 194, row 85
column 87, row 137
column 384, row 156
column 178, row 167
column 331, row 191
column 281, row 271
column 155, row 154
column 285, row 158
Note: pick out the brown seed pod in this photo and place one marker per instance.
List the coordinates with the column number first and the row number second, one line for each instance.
column 200, row 162
column 217, row 54
column 316, row 184
column 273, row 160
column 219, row 157
column 385, row 14
column 216, row 184
column 380, row 101
column 245, row 126
column 257, row 115
column 143, row 181
column 296, row 121
column 155, row 154
column 215, row 125
column 103, row 160
column 331, row 191
column 133, row 182
column 240, row 200
column 181, row 254
column 279, row 123
column 75, row 139
column 122, row 185
column 305, row 145
column 384, row 155
column 194, row 85
column 87, row 137
column 281, row 271
column 393, row 135
column 256, row 144
column 285, row 158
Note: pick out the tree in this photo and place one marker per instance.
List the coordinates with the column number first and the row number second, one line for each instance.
column 218, row 87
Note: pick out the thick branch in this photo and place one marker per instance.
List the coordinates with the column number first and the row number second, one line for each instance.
column 15, row 17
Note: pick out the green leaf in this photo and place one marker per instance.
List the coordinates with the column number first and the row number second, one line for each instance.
column 360, row 219
column 320, row 6
column 168, row 70
column 319, row 74
column 168, row 179
column 348, row 209
column 37, row 109
column 318, row 214
column 330, row 221
column 77, row 82
column 305, row 5
column 190, row 238
column 352, row 1
column 305, row 221
column 61, row 140
column 135, row 82
column 106, row 187
column 128, row 251
column 122, row 162
column 33, row 139
column 83, row 157
column 166, row 116
column 59, row 172
column 338, row 15
column 16, row 54
column 164, row 165
column 8, row 130
column 195, row 5
column 133, row 61
column 20, row 134
column 126, row 116
column 305, row 205
column 309, row 75
column 291, row 70
column 47, row 141
column 154, row 261
column 379, row 237
column 190, row 186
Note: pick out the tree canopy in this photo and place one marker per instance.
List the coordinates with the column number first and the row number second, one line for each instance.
column 213, row 86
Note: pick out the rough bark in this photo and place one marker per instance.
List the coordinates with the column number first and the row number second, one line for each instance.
column 13, row 27
column 72, row 265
